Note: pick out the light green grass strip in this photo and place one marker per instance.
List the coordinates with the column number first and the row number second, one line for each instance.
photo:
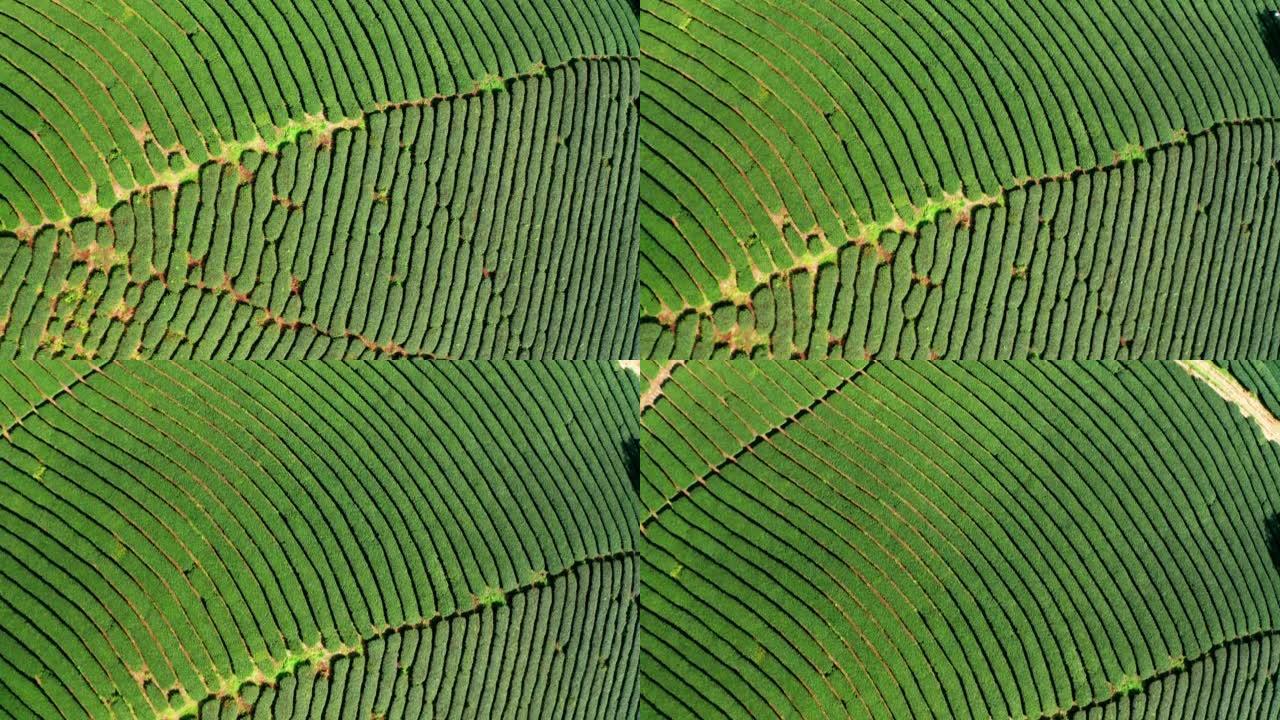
column 956, row 204
column 654, row 389
column 319, row 657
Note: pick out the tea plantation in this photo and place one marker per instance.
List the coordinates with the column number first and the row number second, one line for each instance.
column 317, row 179
column 317, row 540
column 938, row 540
column 859, row 179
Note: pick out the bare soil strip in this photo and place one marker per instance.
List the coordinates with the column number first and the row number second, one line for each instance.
column 654, row 391
column 1229, row 389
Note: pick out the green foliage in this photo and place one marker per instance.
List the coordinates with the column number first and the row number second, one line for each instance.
column 820, row 166
column 283, row 536
column 1129, row 685
column 491, row 83
column 820, row 536
column 490, row 597
column 254, row 142
column 1131, row 153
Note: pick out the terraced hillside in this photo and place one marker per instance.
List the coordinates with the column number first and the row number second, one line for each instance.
column 1005, row 540
column 308, row 540
column 1262, row 380
column 864, row 178
column 317, row 179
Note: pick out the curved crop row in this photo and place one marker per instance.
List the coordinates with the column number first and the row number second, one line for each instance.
column 423, row 179
column 1145, row 259
column 1017, row 540
column 811, row 170
column 317, row 540
column 1261, row 380
column 1232, row 681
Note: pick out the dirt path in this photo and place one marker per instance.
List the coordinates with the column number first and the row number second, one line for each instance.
column 1230, row 389
column 654, row 391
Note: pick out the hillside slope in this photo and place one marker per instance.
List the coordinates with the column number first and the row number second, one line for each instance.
column 839, row 178
column 929, row 540
column 317, row 540
column 318, row 179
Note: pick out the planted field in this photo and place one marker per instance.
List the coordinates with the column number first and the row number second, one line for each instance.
column 317, row 540
column 1008, row 540
column 846, row 179
column 259, row 180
